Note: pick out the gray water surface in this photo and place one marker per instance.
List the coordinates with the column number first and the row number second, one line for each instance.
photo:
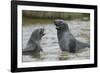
column 49, row 42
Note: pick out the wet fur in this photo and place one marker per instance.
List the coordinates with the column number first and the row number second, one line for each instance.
column 33, row 45
column 67, row 41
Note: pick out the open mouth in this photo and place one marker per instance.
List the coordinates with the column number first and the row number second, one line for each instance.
column 59, row 27
column 43, row 34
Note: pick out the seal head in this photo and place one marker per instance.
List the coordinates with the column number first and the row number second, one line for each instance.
column 61, row 24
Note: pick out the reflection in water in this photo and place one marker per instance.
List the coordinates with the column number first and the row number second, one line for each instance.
column 64, row 56
column 49, row 43
column 58, row 56
column 36, row 55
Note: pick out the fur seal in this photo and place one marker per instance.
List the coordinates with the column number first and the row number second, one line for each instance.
column 66, row 40
column 33, row 45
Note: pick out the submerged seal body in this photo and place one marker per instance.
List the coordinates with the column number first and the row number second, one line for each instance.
column 66, row 40
column 33, row 45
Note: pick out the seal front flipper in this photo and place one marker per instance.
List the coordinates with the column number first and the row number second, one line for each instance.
column 72, row 46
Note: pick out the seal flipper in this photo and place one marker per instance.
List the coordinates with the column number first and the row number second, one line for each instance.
column 72, row 45
column 81, row 45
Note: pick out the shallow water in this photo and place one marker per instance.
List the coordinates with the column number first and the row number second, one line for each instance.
column 49, row 42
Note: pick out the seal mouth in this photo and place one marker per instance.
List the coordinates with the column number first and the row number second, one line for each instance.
column 59, row 27
column 59, row 24
column 43, row 34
